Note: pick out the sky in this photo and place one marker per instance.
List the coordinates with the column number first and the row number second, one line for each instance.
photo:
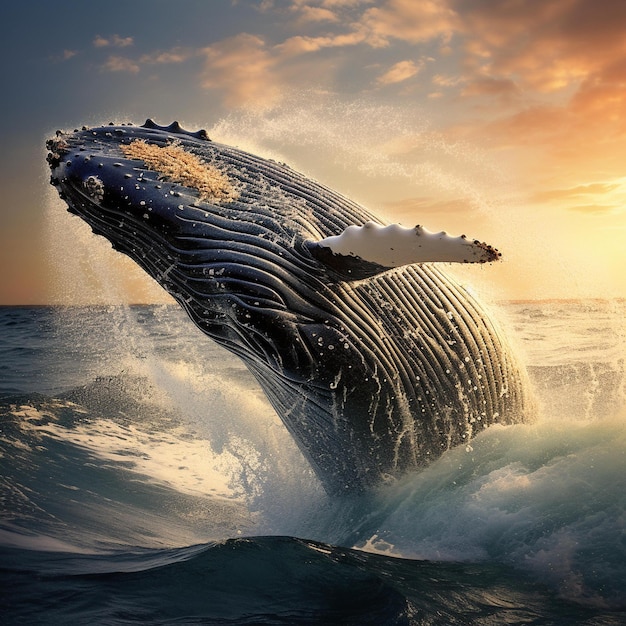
column 503, row 120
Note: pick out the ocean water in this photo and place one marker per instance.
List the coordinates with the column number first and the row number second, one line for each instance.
column 145, row 479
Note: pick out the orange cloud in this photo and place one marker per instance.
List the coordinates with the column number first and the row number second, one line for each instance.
column 344, row 3
column 554, row 45
column 575, row 192
column 300, row 44
column 554, row 75
column 595, row 209
column 329, row 4
column 253, row 74
column 316, row 14
column 447, row 81
column 593, row 198
column 560, row 64
column 245, row 70
column 116, row 63
column 401, row 71
column 329, row 11
column 488, row 86
column 564, row 66
column 410, row 21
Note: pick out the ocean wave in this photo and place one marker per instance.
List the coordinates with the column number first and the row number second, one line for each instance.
column 276, row 580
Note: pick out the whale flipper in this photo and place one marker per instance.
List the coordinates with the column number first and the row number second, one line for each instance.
column 363, row 251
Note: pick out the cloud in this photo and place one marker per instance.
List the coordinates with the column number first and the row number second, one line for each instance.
column 536, row 125
column 556, row 44
column 384, row 22
column 316, row 14
column 251, row 73
column 555, row 75
column 401, row 71
column 593, row 208
column 409, row 21
column 265, row 5
column 345, row 3
column 561, row 65
column 175, row 55
column 506, row 46
column 297, row 5
column 117, row 63
column 300, row 44
column 442, row 80
column 489, row 86
column 121, row 64
column 592, row 189
column 114, row 41
column 245, row 69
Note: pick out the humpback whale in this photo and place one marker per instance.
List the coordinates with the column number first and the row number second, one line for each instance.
column 374, row 358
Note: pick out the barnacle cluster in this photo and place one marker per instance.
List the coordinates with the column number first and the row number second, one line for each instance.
column 94, row 188
column 175, row 164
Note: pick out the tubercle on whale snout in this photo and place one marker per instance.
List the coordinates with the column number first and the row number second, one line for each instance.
column 175, row 127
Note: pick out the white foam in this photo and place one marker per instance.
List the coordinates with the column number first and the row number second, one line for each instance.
column 546, row 498
column 172, row 458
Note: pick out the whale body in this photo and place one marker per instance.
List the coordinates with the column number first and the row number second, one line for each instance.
column 376, row 361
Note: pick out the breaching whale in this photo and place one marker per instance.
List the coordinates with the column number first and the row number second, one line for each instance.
column 376, row 361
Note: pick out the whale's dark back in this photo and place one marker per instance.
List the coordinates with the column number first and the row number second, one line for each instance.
column 372, row 376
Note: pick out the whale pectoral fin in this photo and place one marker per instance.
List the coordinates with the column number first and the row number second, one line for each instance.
column 363, row 251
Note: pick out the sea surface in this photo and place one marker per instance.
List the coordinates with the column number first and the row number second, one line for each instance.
column 145, row 479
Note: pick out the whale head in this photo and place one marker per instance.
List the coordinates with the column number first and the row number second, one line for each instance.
column 290, row 276
column 215, row 232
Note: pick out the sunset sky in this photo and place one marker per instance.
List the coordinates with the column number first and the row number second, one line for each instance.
column 504, row 120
